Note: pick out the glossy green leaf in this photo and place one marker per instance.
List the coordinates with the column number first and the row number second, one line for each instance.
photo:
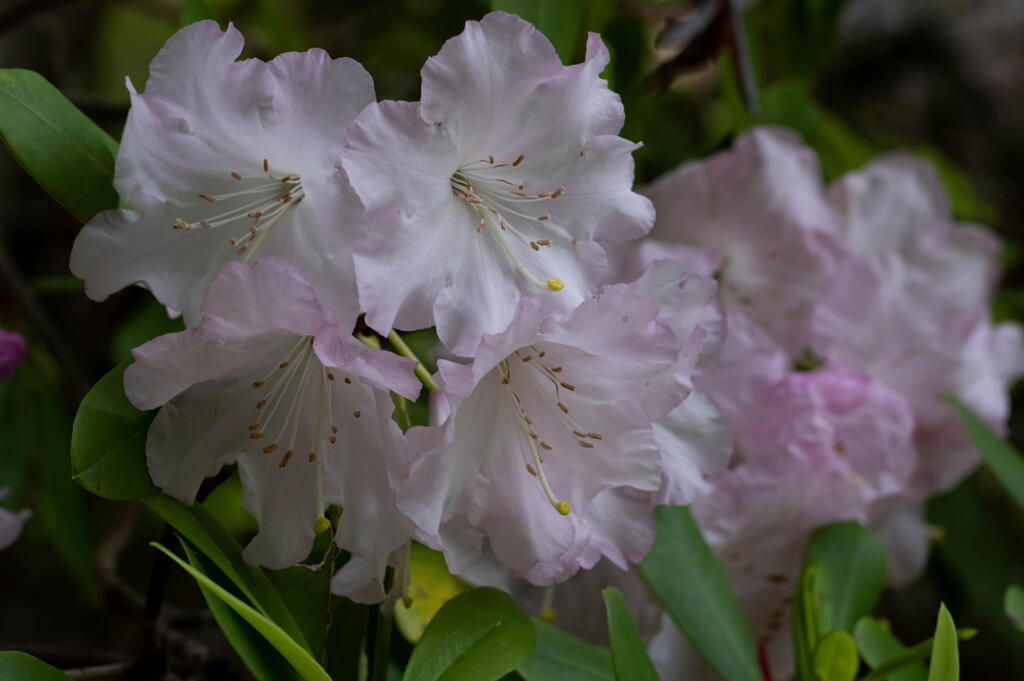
column 298, row 656
column 945, row 662
column 560, row 20
column 308, row 595
column 108, row 442
column 877, row 646
column 851, row 577
column 204, row 532
column 835, row 657
column 258, row 655
column 911, row 656
column 1013, row 605
column 71, row 157
column 560, row 656
column 1005, row 462
column 480, row 635
column 193, row 11
column 695, row 590
column 805, row 621
column 19, row 666
column 629, row 651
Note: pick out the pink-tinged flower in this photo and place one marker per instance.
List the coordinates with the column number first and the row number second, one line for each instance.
column 818, row 447
column 224, row 160
column 271, row 381
column 11, row 523
column 544, row 446
column 762, row 206
column 493, row 187
column 13, row 349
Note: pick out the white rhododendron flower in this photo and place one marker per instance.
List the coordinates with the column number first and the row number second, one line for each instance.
column 493, row 187
column 271, row 381
column 11, row 522
column 224, row 160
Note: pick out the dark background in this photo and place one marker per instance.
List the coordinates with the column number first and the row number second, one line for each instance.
column 944, row 78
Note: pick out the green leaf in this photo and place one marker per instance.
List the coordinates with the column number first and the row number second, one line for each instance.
column 1005, row 462
column 108, row 442
column 64, row 151
column 18, row 666
column 1013, row 605
column 945, row 662
column 308, row 592
column 835, row 657
column 204, row 532
column 629, row 652
column 296, row 654
column 911, row 656
column 851, row 573
column 559, row 20
column 345, row 638
column 805, row 622
column 560, row 656
column 480, row 635
column 430, row 586
column 193, row 11
column 695, row 589
column 877, row 646
column 258, row 655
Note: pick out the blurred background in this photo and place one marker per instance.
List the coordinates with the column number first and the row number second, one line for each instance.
column 944, row 78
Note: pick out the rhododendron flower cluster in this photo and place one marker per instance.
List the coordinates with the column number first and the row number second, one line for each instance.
column 279, row 208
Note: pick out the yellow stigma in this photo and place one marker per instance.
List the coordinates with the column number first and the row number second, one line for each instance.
column 563, row 507
column 548, row 615
column 555, row 284
column 321, row 524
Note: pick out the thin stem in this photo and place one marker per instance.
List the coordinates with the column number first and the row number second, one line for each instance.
column 421, row 371
column 741, row 55
column 100, row 671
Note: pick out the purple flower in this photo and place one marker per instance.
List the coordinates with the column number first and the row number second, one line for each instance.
column 224, row 160
column 13, row 349
column 271, row 381
column 493, row 187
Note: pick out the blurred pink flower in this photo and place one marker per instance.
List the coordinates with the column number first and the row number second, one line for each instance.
column 11, row 523
column 271, row 381
column 224, row 160
column 493, row 187
column 13, row 349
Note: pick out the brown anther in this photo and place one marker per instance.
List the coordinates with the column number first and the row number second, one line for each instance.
column 595, row 436
column 578, row 433
column 518, row 160
column 534, row 435
column 286, row 179
column 541, row 353
column 530, row 470
column 334, row 429
column 544, row 217
column 232, row 242
column 573, row 241
column 490, row 159
column 207, row 197
column 282, row 365
column 504, row 381
column 555, row 370
column 568, row 386
column 205, row 224
column 257, row 384
column 564, row 408
column 255, row 215
column 312, row 457
column 545, row 445
column 286, row 197
column 840, row 449
column 180, row 224
column 528, row 421
column 585, row 445
column 270, row 448
column 332, row 439
column 527, row 358
column 534, row 246
column 236, row 176
column 261, row 404
column 521, row 187
column 558, row 192
column 357, row 413
column 254, row 426
column 348, row 380
column 544, row 242
column 286, row 458
column 255, row 436
column 503, row 223
column 242, row 250
column 266, row 166
column 330, row 376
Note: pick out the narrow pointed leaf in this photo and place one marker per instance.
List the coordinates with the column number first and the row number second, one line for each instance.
column 560, row 656
column 851, row 562
column 297, row 656
column 629, row 652
column 70, row 157
column 480, row 635
column 1005, row 462
column 945, row 662
column 695, row 590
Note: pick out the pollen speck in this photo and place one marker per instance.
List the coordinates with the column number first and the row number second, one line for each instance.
column 555, row 284
column 563, row 507
column 321, row 525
